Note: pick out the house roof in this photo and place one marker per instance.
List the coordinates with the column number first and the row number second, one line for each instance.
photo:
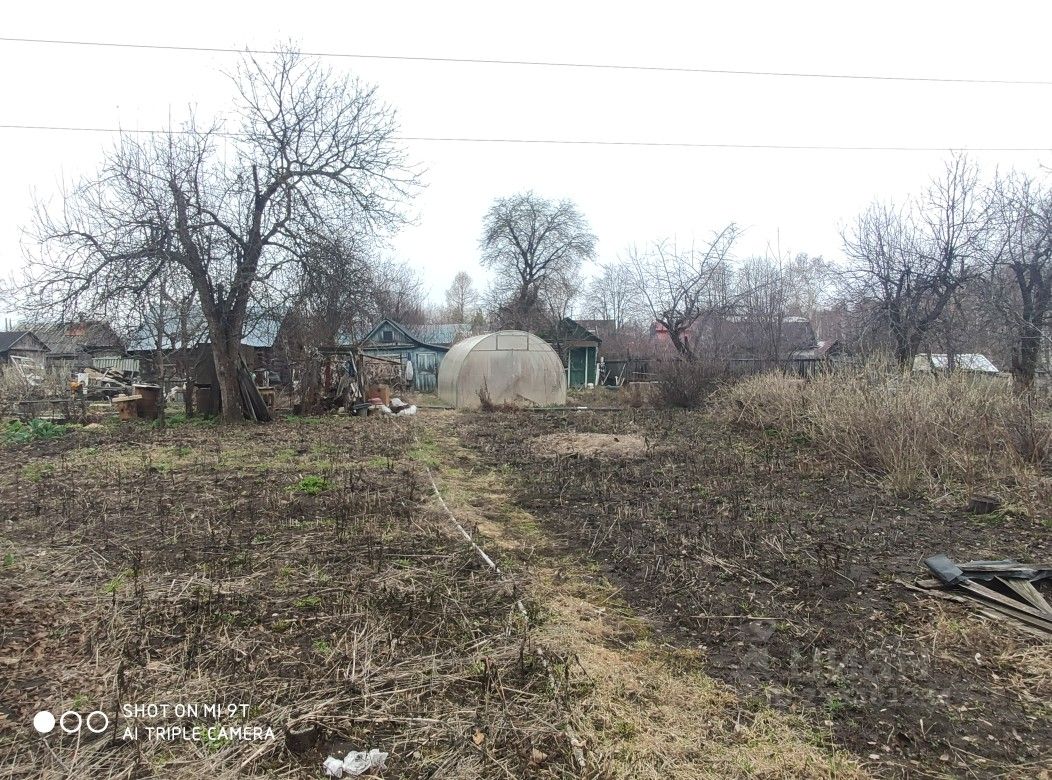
column 144, row 337
column 969, row 362
column 442, row 334
column 418, row 339
column 599, row 327
column 73, row 337
column 569, row 330
column 819, row 351
column 261, row 331
column 9, row 338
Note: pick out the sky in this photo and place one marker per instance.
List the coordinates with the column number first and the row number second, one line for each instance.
column 788, row 200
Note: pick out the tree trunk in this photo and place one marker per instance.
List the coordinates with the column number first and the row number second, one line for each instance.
column 1025, row 358
column 226, row 356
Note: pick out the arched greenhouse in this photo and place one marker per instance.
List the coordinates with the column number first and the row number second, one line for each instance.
column 507, row 367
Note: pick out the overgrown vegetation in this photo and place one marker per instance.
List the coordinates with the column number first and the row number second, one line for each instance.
column 687, row 384
column 35, row 430
column 360, row 610
column 920, row 434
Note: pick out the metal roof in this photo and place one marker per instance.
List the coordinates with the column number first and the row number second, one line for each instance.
column 968, row 362
column 73, row 337
column 11, row 337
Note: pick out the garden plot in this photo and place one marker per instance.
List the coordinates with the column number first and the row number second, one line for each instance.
column 296, row 572
column 781, row 568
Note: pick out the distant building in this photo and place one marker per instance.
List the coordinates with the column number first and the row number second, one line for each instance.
column 814, row 360
column 22, row 345
column 424, row 346
column 972, row 363
column 82, row 344
column 578, row 348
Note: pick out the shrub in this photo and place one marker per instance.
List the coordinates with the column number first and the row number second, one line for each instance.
column 918, row 432
column 687, row 384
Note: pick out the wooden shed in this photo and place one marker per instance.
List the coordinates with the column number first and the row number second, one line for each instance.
column 394, row 341
column 22, row 344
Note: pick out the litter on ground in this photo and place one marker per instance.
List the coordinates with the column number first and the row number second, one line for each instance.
column 355, row 763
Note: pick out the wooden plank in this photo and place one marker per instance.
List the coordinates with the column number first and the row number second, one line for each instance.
column 1016, row 609
column 1028, row 592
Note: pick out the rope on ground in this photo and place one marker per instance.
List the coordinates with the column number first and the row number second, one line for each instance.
column 575, row 743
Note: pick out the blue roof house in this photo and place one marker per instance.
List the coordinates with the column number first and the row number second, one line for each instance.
column 424, row 346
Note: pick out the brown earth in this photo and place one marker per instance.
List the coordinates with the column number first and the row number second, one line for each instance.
column 298, row 568
column 782, row 570
column 599, row 445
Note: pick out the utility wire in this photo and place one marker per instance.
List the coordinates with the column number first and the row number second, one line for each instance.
column 537, row 63
column 572, row 141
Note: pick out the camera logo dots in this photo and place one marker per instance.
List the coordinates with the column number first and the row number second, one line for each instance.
column 44, row 722
column 71, row 722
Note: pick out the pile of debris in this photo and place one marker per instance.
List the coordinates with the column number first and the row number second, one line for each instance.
column 1001, row 589
column 378, row 399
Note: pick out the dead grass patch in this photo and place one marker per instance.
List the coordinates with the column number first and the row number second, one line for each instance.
column 591, row 445
column 202, row 578
column 640, row 708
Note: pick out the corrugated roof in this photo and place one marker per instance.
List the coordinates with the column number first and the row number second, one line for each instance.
column 73, row 337
column 968, row 362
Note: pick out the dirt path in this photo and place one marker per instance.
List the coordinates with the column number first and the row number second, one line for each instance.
column 640, row 708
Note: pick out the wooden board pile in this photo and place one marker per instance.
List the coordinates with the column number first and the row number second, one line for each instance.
column 1001, row 589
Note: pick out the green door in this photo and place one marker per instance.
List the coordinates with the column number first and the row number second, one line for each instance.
column 578, row 363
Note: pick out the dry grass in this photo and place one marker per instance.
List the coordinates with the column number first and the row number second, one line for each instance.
column 189, row 567
column 922, row 435
column 641, row 709
column 14, row 388
column 595, row 445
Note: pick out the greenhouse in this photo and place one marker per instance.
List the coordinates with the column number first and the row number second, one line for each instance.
column 506, row 367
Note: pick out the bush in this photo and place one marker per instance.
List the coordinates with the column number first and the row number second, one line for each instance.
column 919, row 432
column 34, row 430
column 687, row 384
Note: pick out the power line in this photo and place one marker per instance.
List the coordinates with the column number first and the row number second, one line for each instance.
column 536, row 63
column 572, row 141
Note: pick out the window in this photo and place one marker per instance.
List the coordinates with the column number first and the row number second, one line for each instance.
column 387, row 335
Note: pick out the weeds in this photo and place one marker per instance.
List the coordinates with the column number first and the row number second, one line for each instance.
column 921, row 435
column 312, row 486
column 686, row 384
column 35, row 430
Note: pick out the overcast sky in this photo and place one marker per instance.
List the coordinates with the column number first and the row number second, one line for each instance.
column 795, row 199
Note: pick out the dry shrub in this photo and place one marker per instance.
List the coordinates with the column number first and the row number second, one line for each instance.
column 920, row 432
column 14, row 388
column 687, row 384
column 639, row 394
column 487, row 404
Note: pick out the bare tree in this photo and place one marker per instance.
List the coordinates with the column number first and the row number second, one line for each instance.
column 398, row 293
column 169, row 323
column 612, row 294
column 683, row 290
column 536, row 247
column 1021, row 268
column 810, row 284
column 461, row 298
column 314, row 156
column 910, row 262
column 764, row 294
